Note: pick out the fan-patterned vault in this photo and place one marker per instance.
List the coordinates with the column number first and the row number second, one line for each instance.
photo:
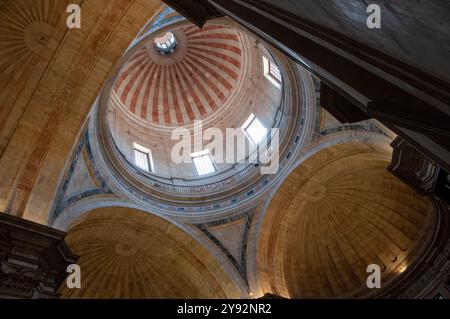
column 126, row 253
column 335, row 214
column 50, row 77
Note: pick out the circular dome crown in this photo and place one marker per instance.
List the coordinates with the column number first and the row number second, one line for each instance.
column 191, row 83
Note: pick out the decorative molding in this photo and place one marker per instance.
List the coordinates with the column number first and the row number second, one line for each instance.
column 413, row 167
column 366, row 126
column 63, row 201
column 241, row 264
column 33, row 259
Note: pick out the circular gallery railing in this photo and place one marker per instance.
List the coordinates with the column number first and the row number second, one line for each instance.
column 238, row 173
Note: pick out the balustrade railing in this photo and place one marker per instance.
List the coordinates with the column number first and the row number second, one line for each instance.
column 232, row 176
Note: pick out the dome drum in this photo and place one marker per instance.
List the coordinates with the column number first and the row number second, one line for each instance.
column 244, row 79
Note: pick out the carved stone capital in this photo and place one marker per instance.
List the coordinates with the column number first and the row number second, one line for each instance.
column 413, row 167
column 33, row 259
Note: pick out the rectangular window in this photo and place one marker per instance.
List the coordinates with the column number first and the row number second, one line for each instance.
column 272, row 72
column 254, row 129
column 143, row 158
column 275, row 72
column 203, row 163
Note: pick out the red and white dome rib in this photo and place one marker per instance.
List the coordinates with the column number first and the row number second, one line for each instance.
column 190, row 84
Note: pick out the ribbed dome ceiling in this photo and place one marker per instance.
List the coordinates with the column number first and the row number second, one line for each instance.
column 126, row 253
column 338, row 212
column 191, row 83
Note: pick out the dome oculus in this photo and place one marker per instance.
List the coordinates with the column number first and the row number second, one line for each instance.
column 166, row 44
